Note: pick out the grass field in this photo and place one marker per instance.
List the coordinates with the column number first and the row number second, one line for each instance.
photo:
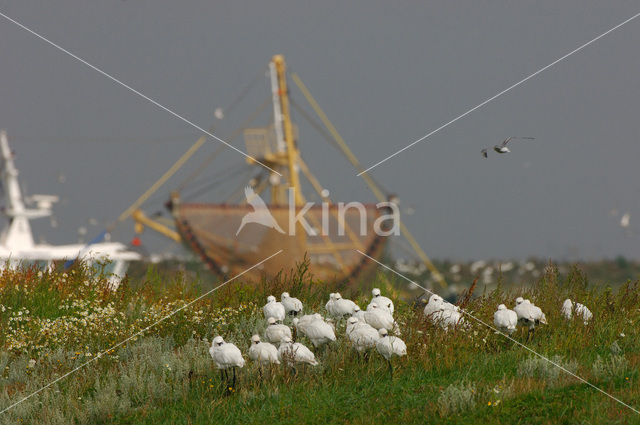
column 54, row 322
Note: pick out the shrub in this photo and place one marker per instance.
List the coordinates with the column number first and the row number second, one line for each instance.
column 613, row 366
column 537, row 367
column 456, row 398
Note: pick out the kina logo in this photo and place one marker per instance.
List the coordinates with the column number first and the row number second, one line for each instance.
column 260, row 215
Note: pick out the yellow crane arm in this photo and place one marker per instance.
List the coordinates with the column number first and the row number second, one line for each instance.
column 372, row 185
column 142, row 220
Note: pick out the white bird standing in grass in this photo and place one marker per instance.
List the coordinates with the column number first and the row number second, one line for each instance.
column 448, row 317
column 581, row 311
column 339, row 307
column 529, row 315
column 359, row 314
column 318, row 331
column 382, row 301
column 276, row 332
column 389, row 346
column 294, row 352
column 262, row 353
column 329, row 305
column 505, row 320
column 292, row 306
column 362, row 335
column 226, row 355
column 435, row 304
column 379, row 318
column 273, row 309
column 442, row 313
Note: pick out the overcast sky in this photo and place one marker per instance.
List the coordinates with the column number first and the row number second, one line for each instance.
column 385, row 72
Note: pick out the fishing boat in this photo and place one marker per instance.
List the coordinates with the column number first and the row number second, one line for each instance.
column 231, row 237
column 17, row 246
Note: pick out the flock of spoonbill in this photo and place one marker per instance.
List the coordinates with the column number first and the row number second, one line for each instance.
column 365, row 330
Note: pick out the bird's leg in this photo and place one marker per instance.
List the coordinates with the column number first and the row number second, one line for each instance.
column 366, row 355
column 234, row 379
column 221, row 377
column 260, row 373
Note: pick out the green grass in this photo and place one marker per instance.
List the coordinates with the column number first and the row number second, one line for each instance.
column 469, row 375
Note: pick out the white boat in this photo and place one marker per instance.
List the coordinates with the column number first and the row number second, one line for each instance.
column 17, row 246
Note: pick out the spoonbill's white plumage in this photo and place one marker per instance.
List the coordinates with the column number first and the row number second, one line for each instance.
column 292, row 306
column 361, row 335
column 390, row 346
column 263, row 352
column 505, row 320
column 581, row 311
column 359, row 314
column 442, row 313
column 318, row 331
column 340, row 307
column 529, row 316
column 295, row 352
column 435, row 304
column 448, row 317
column 273, row 309
column 226, row 356
column 275, row 332
column 379, row 318
column 329, row 305
column 381, row 300
column 308, row 318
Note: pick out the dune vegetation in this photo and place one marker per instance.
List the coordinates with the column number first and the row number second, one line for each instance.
column 53, row 323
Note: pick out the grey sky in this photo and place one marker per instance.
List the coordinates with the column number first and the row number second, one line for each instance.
column 386, row 75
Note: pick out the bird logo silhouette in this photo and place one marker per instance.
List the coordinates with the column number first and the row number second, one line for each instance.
column 260, row 215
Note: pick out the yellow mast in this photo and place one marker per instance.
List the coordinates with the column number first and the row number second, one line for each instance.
column 292, row 149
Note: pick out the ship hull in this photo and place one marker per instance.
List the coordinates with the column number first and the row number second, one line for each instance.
column 215, row 234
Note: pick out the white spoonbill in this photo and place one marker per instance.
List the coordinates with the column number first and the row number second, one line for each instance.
column 273, row 309
column 339, row 307
column 382, row 301
column 529, row 316
column 318, row 331
column 275, row 332
column 448, row 317
column 295, row 352
column 226, row 355
column 292, row 306
column 389, row 346
column 359, row 314
column 362, row 335
column 505, row 320
column 379, row 317
column 581, row 311
column 263, row 352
